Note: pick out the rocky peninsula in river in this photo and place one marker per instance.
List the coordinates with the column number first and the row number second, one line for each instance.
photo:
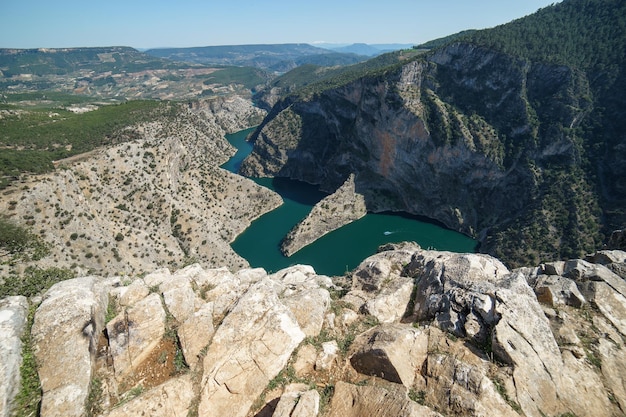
column 334, row 211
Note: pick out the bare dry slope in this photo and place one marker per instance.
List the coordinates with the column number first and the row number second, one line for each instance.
column 159, row 200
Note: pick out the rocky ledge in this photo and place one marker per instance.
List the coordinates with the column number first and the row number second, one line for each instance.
column 334, row 211
column 411, row 332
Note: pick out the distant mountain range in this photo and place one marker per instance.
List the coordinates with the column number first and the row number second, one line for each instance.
column 364, row 48
column 275, row 57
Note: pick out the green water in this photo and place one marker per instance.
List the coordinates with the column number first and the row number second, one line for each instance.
column 338, row 251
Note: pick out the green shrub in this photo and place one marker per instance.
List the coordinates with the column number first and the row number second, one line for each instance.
column 20, row 243
column 34, row 281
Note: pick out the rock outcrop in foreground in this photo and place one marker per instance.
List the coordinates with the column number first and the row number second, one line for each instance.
column 412, row 333
column 334, row 211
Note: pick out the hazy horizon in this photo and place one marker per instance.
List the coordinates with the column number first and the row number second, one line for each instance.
column 193, row 23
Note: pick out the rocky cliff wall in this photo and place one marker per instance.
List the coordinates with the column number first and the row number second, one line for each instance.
column 489, row 144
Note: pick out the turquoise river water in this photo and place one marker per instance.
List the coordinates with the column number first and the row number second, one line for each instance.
column 338, row 251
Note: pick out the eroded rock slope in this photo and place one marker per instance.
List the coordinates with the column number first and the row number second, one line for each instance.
column 157, row 200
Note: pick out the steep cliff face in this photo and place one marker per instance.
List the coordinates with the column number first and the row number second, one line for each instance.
column 491, row 145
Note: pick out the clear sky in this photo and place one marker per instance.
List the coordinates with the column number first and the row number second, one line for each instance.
column 184, row 23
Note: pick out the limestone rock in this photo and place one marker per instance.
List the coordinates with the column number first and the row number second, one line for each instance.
column 392, row 352
column 305, row 360
column 180, row 301
column 373, row 401
column 308, row 404
column 297, row 401
column 327, row 357
column 171, row 399
column 523, row 339
column 134, row 333
column 156, row 278
column 196, row 333
column 304, row 296
column 450, row 286
column 251, row 346
column 553, row 290
column 65, row 334
column 334, row 211
column 220, row 287
column 606, row 257
column 379, row 286
column 614, row 369
column 391, row 303
column 611, row 304
column 458, row 382
column 13, row 316
column 582, row 389
column 135, row 292
column 309, row 307
column 553, row 268
column 583, row 271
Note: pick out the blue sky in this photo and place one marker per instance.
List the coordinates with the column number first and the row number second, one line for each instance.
column 183, row 23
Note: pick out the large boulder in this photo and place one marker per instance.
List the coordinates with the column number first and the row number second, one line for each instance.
column 251, row 346
column 457, row 291
column 134, row 333
column 304, row 297
column 379, row 284
column 298, row 401
column 65, row 335
column 13, row 317
column 195, row 333
column 170, row 399
column 461, row 383
column 523, row 339
column 554, row 290
column 392, row 352
column 375, row 401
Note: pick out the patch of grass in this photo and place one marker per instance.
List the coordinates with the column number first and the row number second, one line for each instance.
column 111, row 310
column 94, row 398
column 326, row 394
column 284, row 377
column 337, row 294
column 28, row 399
column 417, row 396
column 180, row 365
column 204, row 289
column 505, row 396
column 132, row 393
column 370, row 321
column 593, row 359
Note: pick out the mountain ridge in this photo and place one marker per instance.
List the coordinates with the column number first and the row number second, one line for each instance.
column 489, row 143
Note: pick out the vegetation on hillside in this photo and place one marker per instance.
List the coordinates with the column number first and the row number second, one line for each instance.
column 247, row 76
column 586, row 34
column 436, row 43
column 65, row 61
column 31, row 138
